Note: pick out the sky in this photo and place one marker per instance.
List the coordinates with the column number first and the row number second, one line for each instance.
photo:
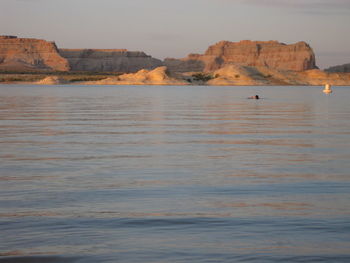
column 168, row 28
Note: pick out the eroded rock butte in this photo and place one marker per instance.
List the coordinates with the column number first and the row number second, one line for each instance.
column 271, row 54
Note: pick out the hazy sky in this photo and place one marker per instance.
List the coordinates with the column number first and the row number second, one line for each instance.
column 164, row 28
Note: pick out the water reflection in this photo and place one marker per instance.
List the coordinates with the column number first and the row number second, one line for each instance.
column 201, row 169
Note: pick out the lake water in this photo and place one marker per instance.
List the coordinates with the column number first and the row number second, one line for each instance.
column 174, row 174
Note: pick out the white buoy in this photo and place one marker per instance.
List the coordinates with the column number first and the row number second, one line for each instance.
column 327, row 89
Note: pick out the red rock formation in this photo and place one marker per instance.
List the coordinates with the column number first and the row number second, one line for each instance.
column 23, row 54
column 272, row 54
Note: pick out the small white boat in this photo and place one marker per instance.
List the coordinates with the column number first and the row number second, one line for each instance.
column 327, row 89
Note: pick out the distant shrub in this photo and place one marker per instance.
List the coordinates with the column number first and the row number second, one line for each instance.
column 202, row 77
column 237, row 76
column 87, row 78
column 17, row 78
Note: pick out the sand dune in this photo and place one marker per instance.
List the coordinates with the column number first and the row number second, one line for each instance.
column 158, row 76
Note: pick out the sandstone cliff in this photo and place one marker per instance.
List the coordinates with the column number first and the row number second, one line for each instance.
column 26, row 54
column 111, row 60
column 271, row 54
column 339, row 69
column 158, row 76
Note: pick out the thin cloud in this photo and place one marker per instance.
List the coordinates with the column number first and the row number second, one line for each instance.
column 310, row 6
column 29, row 1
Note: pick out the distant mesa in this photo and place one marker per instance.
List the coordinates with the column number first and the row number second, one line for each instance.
column 110, row 60
column 345, row 68
column 271, row 54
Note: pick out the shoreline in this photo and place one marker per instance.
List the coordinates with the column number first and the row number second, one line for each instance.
column 164, row 85
column 228, row 76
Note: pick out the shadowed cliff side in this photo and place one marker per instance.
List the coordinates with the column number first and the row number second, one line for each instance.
column 345, row 68
column 110, row 60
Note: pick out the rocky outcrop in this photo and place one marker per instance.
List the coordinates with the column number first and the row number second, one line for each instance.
column 234, row 75
column 110, row 60
column 270, row 54
column 339, row 69
column 318, row 77
column 27, row 54
column 158, row 76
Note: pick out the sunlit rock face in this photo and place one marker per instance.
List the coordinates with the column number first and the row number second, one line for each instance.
column 271, row 54
column 27, row 54
column 110, row 60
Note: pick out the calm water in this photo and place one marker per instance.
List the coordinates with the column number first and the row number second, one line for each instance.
column 174, row 174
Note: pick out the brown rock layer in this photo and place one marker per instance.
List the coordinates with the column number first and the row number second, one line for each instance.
column 271, row 54
column 26, row 54
column 111, row 60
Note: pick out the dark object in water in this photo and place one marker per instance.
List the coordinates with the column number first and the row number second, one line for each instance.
column 256, row 97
